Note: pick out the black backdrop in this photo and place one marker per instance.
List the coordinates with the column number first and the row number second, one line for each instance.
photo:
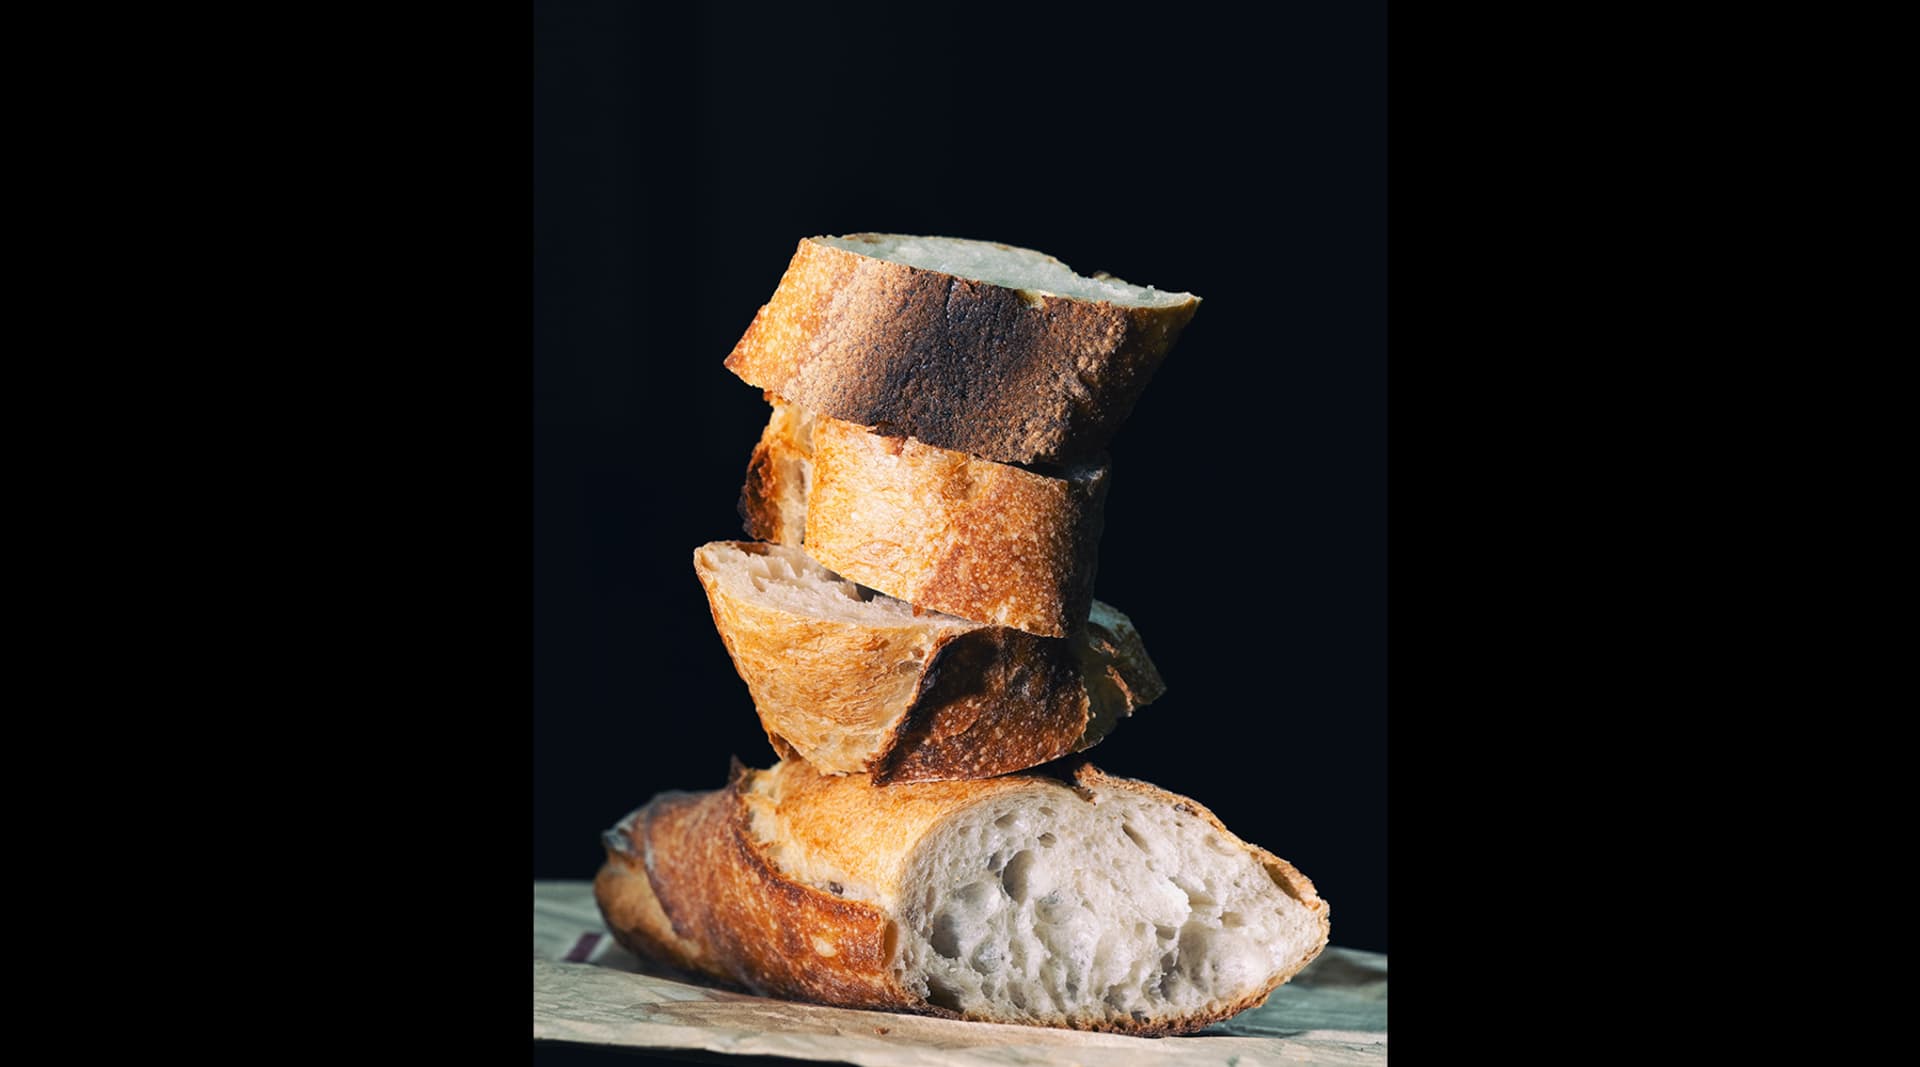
column 679, row 154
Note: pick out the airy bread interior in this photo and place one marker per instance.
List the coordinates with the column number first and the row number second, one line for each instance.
column 1004, row 265
column 785, row 577
column 1127, row 908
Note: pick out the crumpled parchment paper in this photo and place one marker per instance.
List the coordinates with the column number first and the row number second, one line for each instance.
column 588, row 989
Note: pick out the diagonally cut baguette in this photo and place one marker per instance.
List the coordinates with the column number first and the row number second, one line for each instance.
column 966, row 536
column 860, row 683
column 1093, row 903
column 983, row 348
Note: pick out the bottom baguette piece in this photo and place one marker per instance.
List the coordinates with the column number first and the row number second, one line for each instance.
column 1096, row 903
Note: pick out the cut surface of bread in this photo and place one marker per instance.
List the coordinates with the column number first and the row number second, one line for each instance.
column 969, row 537
column 1096, row 902
column 1003, row 265
column 856, row 682
column 983, row 348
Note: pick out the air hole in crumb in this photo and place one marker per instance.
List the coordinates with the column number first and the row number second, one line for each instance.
column 1015, row 876
column 1197, row 895
column 1055, row 907
column 1004, row 821
column 946, row 935
column 974, row 895
column 1134, row 836
column 942, row 995
column 1048, row 812
column 1232, row 920
column 1047, row 840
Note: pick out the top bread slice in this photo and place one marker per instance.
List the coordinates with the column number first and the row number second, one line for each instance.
column 1097, row 902
column 983, row 348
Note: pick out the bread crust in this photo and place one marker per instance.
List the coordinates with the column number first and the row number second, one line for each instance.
column 743, row 901
column 927, row 698
column 969, row 537
column 731, row 915
column 1006, row 374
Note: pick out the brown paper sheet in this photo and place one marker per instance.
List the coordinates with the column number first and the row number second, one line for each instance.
column 588, row 989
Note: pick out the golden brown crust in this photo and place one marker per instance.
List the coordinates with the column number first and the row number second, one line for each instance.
column 627, row 900
column 828, row 687
column 735, row 917
column 960, row 535
column 812, row 823
column 922, row 699
column 742, row 910
column 1001, row 373
column 981, row 540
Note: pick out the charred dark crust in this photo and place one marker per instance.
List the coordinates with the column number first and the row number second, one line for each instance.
column 991, row 701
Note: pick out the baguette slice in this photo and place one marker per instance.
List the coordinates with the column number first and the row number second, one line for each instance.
column 941, row 529
column 859, row 683
column 983, row 348
column 1098, row 903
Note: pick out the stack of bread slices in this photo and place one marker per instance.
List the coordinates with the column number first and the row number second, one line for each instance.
column 915, row 621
